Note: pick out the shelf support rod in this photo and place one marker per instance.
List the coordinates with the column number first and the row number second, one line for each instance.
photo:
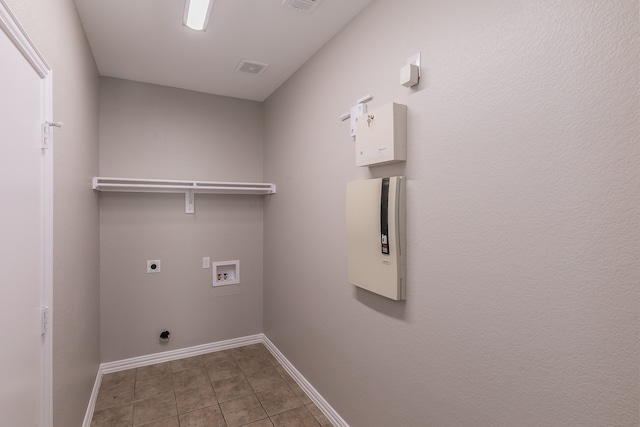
column 189, row 202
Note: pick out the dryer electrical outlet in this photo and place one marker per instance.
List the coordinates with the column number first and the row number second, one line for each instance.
column 376, row 236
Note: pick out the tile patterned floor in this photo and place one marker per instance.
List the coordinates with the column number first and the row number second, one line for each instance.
column 244, row 386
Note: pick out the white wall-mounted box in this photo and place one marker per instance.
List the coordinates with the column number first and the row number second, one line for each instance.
column 381, row 136
column 226, row 273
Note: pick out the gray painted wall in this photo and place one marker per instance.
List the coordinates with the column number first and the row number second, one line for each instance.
column 522, row 303
column 522, row 202
column 149, row 131
column 55, row 28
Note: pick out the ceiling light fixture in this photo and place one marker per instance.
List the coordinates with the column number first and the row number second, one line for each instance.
column 196, row 14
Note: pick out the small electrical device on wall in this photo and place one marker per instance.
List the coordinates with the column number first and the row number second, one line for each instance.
column 410, row 73
column 381, row 136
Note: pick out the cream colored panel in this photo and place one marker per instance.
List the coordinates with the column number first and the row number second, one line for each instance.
column 368, row 267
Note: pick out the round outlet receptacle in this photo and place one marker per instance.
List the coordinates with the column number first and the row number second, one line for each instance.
column 153, row 266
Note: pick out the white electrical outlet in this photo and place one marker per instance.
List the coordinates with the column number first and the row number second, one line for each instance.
column 206, row 262
column 153, row 266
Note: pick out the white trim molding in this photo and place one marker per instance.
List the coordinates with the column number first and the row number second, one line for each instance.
column 18, row 36
column 167, row 356
column 10, row 25
column 305, row 385
column 151, row 359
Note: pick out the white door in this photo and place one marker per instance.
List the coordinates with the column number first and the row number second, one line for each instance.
column 24, row 230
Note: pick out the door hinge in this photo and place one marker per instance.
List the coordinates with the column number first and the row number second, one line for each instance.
column 45, row 141
column 46, row 135
column 44, row 319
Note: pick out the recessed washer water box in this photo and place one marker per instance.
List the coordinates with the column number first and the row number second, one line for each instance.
column 376, row 236
column 226, row 272
column 381, row 136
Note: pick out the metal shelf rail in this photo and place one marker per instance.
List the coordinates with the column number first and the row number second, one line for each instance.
column 189, row 188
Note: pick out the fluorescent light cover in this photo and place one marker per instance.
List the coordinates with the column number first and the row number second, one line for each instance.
column 197, row 14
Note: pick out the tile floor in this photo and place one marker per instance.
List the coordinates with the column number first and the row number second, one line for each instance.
column 244, row 386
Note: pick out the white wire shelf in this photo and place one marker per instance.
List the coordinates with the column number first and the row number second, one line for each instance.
column 189, row 188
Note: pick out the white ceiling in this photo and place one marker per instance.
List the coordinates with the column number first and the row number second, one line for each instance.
column 144, row 40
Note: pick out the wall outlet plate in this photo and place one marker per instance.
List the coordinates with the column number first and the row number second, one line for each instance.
column 153, row 266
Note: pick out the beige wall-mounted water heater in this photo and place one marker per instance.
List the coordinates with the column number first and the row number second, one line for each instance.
column 376, row 234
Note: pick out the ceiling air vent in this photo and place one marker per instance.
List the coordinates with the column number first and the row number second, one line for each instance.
column 251, row 67
column 305, row 6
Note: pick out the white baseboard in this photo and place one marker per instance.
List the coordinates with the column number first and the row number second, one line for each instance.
column 152, row 359
column 92, row 400
column 305, row 385
column 167, row 356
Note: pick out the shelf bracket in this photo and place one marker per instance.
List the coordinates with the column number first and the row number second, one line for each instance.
column 189, row 202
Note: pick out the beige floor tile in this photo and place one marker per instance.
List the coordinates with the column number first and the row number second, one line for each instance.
column 114, row 394
column 226, row 368
column 232, row 388
column 118, row 378
column 152, row 370
column 300, row 393
column 117, row 415
column 211, row 359
column 253, row 362
column 240, row 387
column 248, row 350
column 113, row 424
column 262, row 423
column 253, row 349
column 153, row 386
column 186, row 363
column 154, row 409
column 279, row 400
column 299, row 417
column 319, row 416
column 244, row 410
column 210, row 416
column 167, row 422
column 195, row 398
column 285, row 375
column 271, row 358
column 265, row 379
column 190, row 378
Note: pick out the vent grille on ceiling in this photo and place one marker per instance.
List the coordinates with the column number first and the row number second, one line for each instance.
column 251, row 67
column 306, row 6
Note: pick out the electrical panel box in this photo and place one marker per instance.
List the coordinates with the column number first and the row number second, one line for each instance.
column 376, row 235
column 381, row 136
